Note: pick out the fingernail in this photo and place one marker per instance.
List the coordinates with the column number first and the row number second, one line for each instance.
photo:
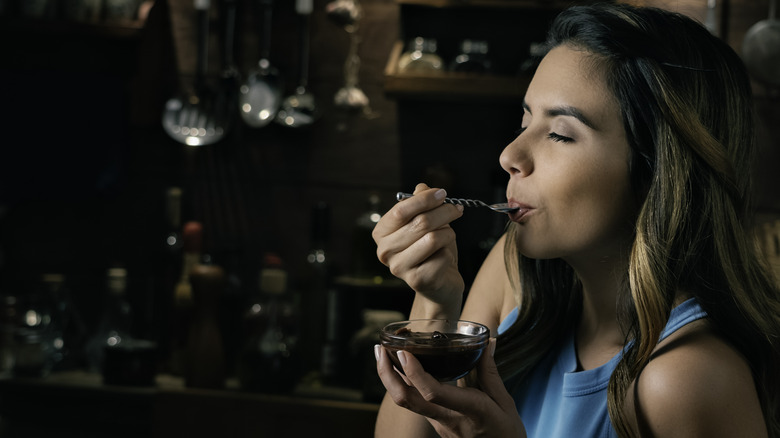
column 440, row 194
column 401, row 358
column 459, row 207
column 492, row 347
column 376, row 352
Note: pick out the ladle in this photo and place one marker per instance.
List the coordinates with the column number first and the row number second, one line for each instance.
column 761, row 49
column 261, row 94
column 300, row 109
column 190, row 119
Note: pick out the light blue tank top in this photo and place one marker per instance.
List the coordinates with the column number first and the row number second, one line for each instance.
column 557, row 401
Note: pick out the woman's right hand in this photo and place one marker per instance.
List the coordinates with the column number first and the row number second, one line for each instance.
column 415, row 240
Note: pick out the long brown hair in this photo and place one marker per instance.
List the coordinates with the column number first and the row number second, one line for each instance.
column 688, row 114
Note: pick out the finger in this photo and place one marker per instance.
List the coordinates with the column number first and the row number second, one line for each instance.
column 432, row 245
column 431, row 390
column 405, row 211
column 399, row 388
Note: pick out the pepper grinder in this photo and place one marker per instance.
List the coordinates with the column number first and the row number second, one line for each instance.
column 205, row 367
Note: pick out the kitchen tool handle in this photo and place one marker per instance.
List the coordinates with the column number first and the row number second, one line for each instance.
column 230, row 30
column 304, row 7
column 305, row 32
column 710, row 21
column 202, row 7
column 267, row 6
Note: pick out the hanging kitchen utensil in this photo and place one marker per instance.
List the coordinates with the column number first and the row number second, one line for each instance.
column 193, row 119
column 300, row 109
column 350, row 96
column 261, row 94
column 710, row 21
column 230, row 79
column 761, row 49
column 344, row 12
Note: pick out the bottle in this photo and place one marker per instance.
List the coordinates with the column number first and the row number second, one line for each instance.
column 205, row 359
column 173, row 241
column 317, row 281
column 192, row 247
column 420, row 57
column 114, row 327
column 268, row 361
column 473, row 57
column 65, row 335
column 168, row 271
column 536, row 52
column 364, row 265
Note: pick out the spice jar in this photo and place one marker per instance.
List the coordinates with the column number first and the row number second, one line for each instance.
column 420, row 57
column 473, row 57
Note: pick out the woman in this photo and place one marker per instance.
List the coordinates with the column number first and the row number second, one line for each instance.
column 627, row 294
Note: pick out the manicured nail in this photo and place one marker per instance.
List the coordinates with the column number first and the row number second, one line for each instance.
column 376, row 352
column 440, row 194
column 401, row 358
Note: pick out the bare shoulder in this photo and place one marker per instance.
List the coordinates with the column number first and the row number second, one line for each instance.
column 490, row 297
column 696, row 384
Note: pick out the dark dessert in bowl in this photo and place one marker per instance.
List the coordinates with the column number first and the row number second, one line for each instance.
column 447, row 349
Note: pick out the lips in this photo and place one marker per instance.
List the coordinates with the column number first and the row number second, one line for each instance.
column 519, row 215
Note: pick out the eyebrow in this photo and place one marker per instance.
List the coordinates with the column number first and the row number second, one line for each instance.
column 565, row 110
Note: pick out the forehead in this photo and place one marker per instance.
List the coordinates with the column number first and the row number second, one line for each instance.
column 571, row 77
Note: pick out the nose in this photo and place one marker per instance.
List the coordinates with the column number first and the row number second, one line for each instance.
column 516, row 159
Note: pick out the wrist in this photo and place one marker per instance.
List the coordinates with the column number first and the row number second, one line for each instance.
column 425, row 308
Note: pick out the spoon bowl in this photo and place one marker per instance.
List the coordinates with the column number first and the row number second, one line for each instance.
column 261, row 95
column 298, row 110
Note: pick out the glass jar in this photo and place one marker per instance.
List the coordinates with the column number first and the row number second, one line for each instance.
column 473, row 57
column 420, row 57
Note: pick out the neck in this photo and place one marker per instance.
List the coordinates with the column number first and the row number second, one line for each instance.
column 598, row 329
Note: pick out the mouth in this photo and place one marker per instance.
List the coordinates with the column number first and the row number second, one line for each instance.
column 523, row 210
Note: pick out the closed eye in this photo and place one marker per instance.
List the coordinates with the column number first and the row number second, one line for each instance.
column 557, row 137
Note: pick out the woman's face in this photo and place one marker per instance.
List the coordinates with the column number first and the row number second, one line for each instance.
column 569, row 166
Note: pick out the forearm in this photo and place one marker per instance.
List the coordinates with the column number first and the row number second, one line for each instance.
column 424, row 308
column 394, row 421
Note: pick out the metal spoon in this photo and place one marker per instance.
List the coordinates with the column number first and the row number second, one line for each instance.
column 261, row 95
column 501, row 208
column 300, row 109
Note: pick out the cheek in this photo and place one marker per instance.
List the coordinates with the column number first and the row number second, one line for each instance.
column 590, row 210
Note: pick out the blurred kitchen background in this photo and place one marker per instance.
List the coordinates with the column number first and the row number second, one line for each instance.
column 185, row 243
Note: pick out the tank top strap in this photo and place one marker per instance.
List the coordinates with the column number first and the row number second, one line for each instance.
column 686, row 313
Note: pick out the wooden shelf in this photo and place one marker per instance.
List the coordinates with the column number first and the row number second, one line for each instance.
column 125, row 29
column 450, row 85
column 513, row 4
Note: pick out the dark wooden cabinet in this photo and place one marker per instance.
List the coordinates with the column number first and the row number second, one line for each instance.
column 77, row 404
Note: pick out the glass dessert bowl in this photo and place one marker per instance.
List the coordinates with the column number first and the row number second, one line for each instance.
column 447, row 349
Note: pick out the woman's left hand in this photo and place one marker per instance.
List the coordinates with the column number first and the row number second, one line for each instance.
column 454, row 411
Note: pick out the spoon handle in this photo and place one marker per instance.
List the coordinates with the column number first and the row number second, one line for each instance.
column 400, row 196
